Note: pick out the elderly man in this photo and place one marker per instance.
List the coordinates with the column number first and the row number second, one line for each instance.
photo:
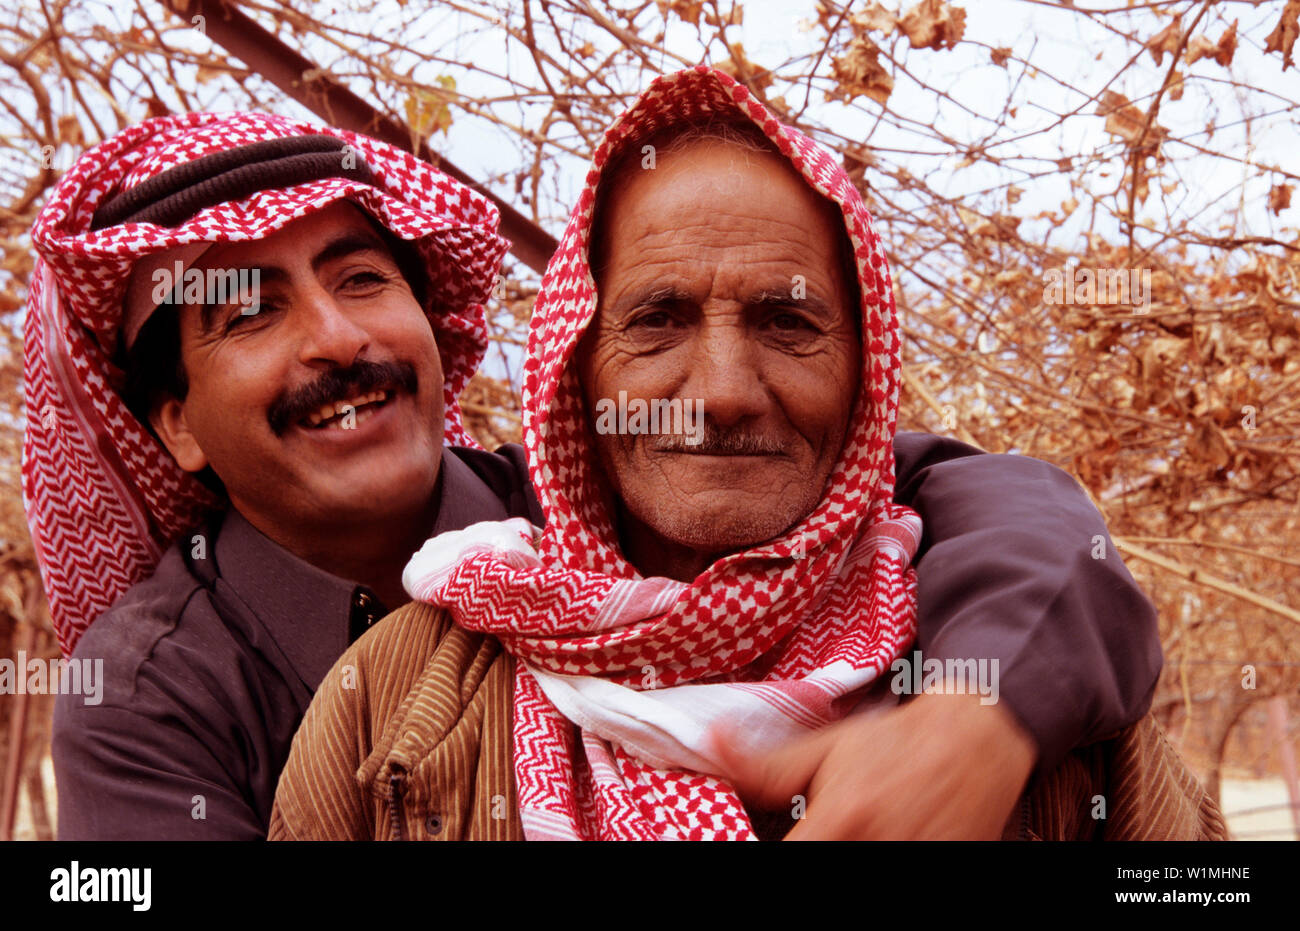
column 701, row 611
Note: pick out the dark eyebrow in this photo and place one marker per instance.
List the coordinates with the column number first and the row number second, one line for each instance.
column 265, row 275
column 349, row 243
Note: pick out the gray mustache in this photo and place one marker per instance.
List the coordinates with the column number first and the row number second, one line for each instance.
column 720, row 441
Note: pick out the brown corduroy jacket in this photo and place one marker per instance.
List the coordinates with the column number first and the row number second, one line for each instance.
column 408, row 738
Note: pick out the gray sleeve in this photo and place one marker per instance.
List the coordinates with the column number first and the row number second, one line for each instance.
column 172, row 744
column 124, row 775
column 1016, row 564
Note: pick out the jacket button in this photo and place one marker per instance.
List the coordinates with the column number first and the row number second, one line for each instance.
column 433, row 824
column 365, row 606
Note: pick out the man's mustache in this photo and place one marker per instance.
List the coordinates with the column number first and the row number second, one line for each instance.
column 339, row 384
column 721, row 441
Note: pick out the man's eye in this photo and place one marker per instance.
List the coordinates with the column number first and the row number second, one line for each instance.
column 654, row 320
column 248, row 314
column 789, row 321
column 365, row 280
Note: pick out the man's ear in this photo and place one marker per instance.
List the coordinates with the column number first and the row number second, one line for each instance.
column 168, row 421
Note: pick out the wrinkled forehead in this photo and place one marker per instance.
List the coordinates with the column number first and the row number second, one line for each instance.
column 643, row 163
column 640, row 155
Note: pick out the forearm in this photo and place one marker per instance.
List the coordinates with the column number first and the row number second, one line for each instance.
column 1012, row 568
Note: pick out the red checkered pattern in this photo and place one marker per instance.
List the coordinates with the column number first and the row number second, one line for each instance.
column 103, row 498
column 847, row 603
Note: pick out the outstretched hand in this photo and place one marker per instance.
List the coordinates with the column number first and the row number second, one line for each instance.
column 940, row 767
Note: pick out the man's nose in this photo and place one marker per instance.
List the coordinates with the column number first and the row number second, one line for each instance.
column 329, row 334
column 724, row 372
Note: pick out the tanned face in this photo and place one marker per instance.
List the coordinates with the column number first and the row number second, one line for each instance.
column 722, row 282
column 337, row 331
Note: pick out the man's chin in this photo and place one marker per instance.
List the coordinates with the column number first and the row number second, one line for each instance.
column 345, row 495
column 357, row 498
column 723, row 530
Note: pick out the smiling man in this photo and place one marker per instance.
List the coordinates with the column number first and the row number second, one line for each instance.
column 321, row 406
column 773, row 373
column 228, row 483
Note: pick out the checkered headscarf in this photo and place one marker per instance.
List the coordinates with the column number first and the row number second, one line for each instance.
column 103, row 497
column 621, row 678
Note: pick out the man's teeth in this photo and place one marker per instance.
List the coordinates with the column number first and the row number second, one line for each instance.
column 339, row 408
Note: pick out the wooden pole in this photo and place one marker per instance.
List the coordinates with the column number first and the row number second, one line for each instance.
column 300, row 78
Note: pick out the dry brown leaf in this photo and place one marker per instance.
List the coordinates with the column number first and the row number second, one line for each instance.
column 1176, row 86
column 1226, row 47
column 1169, row 348
column 70, row 130
column 1141, row 190
column 1000, row 56
column 1221, row 51
column 1166, row 40
column 874, row 17
column 1210, row 443
column 1282, row 38
column 11, row 595
column 933, row 24
column 1200, row 47
column 859, row 71
column 998, row 226
column 428, row 109
column 586, row 50
column 976, row 224
column 1279, row 198
column 826, row 16
column 687, row 10
column 1126, row 121
column 17, row 262
column 735, row 17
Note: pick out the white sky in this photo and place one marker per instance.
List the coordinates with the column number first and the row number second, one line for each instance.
column 773, row 32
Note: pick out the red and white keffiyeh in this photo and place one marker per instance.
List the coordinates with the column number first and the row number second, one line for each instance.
column 104, row 498
column 775, row 640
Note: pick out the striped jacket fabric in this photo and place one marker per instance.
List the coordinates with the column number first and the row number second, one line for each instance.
column 409, row 738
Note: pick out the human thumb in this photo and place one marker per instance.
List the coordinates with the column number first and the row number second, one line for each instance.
column 767, row 779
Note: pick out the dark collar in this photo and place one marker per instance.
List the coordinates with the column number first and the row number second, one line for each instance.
column 310, row 613
column 463, row 497
column 305, row 610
